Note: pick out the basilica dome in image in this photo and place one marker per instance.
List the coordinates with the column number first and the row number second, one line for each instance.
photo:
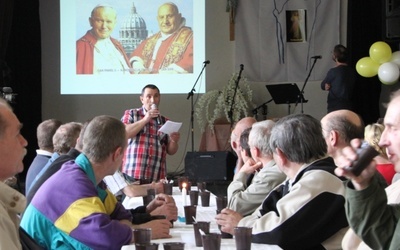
column 133, row 31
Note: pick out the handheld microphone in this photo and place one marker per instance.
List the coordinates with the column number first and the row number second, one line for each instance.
column 206, row 62
column 241, row 66
column 158, row 118
column 316, row 57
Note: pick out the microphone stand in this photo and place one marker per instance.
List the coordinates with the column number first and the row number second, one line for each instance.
column 190, row 95
column 265, row 109
column 301, row 94
column 230, row 113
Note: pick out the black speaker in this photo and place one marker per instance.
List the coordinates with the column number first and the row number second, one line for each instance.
column 211, row 166
column 392, row 19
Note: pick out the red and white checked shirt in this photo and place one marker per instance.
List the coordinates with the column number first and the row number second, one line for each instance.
column 145, row 156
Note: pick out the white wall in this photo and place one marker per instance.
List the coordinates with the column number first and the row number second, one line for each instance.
column 220, row 51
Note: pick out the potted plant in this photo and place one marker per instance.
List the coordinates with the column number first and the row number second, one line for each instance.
column 215, row 104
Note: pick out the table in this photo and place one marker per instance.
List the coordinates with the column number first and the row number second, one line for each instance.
column 184, row 233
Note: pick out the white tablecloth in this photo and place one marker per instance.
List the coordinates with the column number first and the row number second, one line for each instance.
column 184, row 233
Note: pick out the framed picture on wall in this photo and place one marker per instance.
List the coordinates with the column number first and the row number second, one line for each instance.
column 296, row 21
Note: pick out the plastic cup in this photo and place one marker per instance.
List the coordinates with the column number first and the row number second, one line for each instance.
column 205, row 198
column 147, row 199
column 188, row 186
column 222, row 202
column 148, row 246
column 243, row 238
column 194, row 197
column 190, row 213
column 168, row 188
column 174, row 246
column 197, row 226
column 141, row 235
column 211, row 241
column 151, row 191
column 201, row 185
column 181, row 180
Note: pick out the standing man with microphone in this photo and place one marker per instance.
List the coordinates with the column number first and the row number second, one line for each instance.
column 340, row 81
column 145, row 156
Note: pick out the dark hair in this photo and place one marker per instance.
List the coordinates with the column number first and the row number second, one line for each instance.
column 340, row 53
column 244, row 141
column 102, row 136
column 149, row 86
column 45, row 132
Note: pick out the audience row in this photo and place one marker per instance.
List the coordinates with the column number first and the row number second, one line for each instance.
column 293, row 183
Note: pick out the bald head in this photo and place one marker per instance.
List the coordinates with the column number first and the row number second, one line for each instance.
column 339, row 128
column 341, row 120
column 240, row 126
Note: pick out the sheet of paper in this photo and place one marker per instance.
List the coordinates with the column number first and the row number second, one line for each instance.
column 170, row 127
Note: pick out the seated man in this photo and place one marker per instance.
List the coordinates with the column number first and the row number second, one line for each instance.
column 307, row 210
column 368, row 212
column 12, row 151
column 339, row 128
column 64, row 139
column 240, row 126
column 244, row 198
column 73, row 209
column 44, row 134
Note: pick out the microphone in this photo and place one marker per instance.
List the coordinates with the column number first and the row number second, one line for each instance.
column 316, row 57
column 206, row 62
column 241, row 66
column 158, row 119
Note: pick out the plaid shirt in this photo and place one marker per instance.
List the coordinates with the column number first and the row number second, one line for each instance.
column 145, row 156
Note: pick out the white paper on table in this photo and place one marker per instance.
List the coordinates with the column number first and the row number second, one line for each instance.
column 170, row 127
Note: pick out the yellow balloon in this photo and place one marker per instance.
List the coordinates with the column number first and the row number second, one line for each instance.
column 367, row 67
column 380, row 52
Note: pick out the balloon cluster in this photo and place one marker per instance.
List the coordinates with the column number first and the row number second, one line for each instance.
column 381, row 62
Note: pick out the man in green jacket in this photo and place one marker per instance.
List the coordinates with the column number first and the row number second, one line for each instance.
column 368, row 213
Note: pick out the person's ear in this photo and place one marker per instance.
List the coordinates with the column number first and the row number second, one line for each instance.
column 117, row 153
column 333, row 138
column 235, row 146
column 281, row 157
column 256, row 152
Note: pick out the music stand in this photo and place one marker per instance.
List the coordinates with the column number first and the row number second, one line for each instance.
column 285, row 93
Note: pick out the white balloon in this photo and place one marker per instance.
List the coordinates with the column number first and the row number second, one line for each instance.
column 396, row 58
column 388, row 72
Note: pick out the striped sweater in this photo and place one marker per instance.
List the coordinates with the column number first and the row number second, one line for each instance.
column 308, row 215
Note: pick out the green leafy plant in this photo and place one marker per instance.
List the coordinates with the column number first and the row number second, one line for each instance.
column 216, row 104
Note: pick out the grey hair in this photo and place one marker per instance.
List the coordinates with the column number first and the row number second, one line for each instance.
column 102, row 136
column 347, row 130
column 260, row 135
column 299, row 137
column 3, row 121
